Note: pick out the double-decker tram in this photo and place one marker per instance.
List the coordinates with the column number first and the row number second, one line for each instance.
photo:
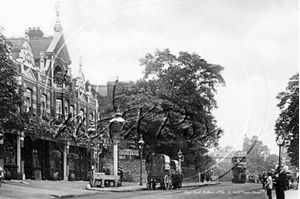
column 239, row 161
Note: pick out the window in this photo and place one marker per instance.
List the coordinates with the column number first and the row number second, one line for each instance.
column 35, row 156
column 91, row 118
column 43, row 104
column 72, row 111
column 10, row 150
column 58, row 106
column 81, row 115
column 66, row 108
column 28, row 100
column 72, row 165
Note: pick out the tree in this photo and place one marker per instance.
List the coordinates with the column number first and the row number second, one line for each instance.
column 10, row 98
column 228, row 148
column 172, row 105
column 257, row 154
column 271, row 160
column 287, row 123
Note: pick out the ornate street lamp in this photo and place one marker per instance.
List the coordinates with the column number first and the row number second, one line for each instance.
column 116, row 126
column 141, row 145
column 180, row 154
column 280, row 143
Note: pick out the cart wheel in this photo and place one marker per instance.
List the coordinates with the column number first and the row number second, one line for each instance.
column 167, row 182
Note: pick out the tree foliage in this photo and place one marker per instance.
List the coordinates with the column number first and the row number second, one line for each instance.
column 10, row 98
column 258, row 155
column 287, row 123
column 172, row 105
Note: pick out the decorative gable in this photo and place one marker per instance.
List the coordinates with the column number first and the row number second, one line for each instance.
column 59, row 48
column 30, row 75
column 82, row 98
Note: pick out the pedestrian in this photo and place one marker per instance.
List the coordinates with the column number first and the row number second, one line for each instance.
column 202, row 175
column 264, row 179
column 120, row 173
column 280, row 182
column 269, row 185
column 107, row 170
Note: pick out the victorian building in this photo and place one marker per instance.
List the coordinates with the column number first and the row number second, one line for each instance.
column 39, row 59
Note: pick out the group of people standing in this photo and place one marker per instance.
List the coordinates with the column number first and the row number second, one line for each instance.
column 276, row 180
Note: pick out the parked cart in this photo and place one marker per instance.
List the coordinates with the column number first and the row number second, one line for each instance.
column 176, row 174
column 158, row 171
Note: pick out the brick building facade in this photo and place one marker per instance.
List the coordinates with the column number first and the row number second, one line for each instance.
column 38, row 60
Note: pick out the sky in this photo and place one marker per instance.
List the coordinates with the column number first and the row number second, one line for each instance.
column 256, row 41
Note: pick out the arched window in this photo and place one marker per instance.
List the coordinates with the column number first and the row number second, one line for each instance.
column 57, row 69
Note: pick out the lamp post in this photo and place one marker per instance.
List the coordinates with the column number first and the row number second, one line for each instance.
column 20, row 137
column 280, row 142
column 141, row 145
column 179, row 156
column 116, row 125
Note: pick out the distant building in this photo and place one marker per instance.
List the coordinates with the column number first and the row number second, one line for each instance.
column 223, row 160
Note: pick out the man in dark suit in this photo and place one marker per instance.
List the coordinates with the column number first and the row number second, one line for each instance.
column 280, row 182
column 202, row 176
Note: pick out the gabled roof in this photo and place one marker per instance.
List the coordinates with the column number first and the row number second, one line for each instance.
column 58, row 46
column 37, row 44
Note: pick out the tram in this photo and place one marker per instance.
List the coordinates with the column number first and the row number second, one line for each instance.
column 239, row 161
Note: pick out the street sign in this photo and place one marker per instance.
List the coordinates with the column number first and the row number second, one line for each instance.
column 129, row 152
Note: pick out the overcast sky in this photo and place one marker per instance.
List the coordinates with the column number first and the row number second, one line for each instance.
column 256, row 41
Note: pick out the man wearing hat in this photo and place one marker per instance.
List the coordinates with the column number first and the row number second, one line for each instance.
column 280, row 182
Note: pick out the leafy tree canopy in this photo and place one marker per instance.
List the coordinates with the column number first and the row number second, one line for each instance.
column 287, row 123
column 258, row 155
column 172, row 105
column 10, row 99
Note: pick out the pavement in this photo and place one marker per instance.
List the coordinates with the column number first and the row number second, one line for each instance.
column 66, row 189
column 289, row 194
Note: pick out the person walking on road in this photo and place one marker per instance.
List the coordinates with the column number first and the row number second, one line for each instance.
column 269, row 185
column 280, row 182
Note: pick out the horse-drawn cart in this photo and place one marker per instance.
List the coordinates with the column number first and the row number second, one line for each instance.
column 160, row 172
column 176, row 174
